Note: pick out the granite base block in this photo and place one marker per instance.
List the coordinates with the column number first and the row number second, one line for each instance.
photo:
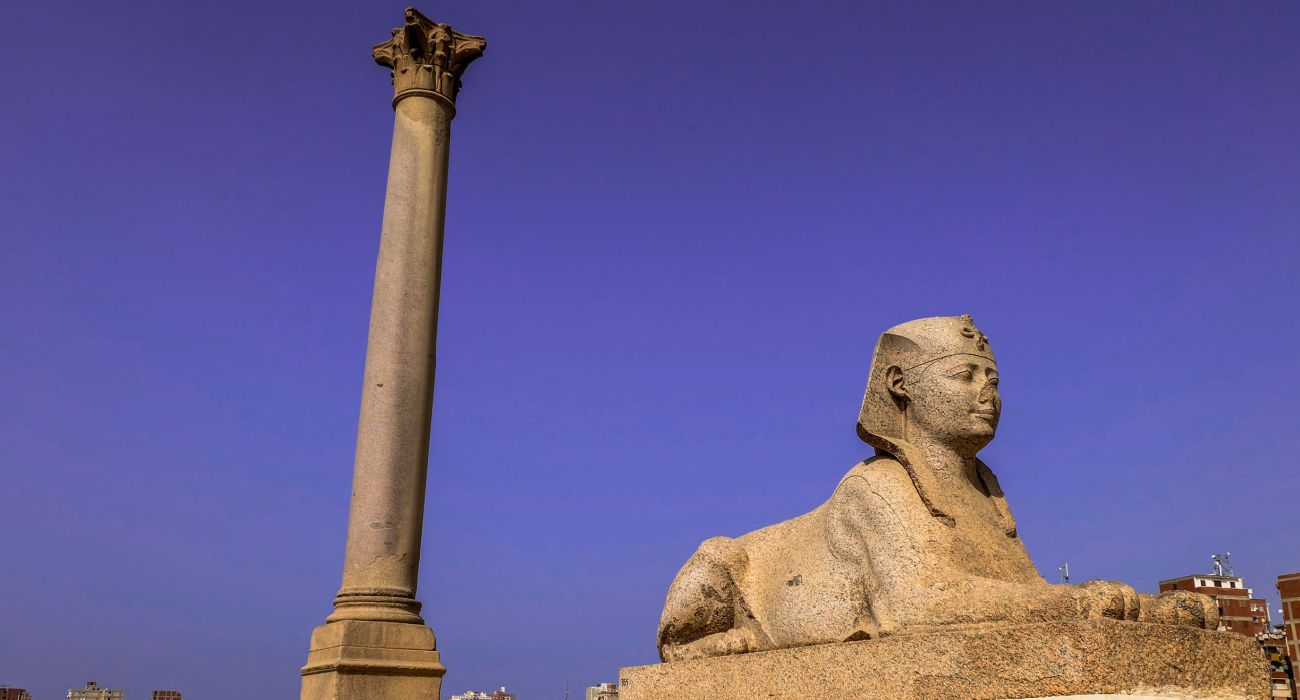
column 1046, row 660
column 355, row 659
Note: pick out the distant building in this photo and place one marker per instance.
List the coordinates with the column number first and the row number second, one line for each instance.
column 7, row 693
column 1288, row 587
column 604, row 691
column 495, row 695
column 92, row 691
column 167, row 695
column 1281, row 666
column 1239, row 610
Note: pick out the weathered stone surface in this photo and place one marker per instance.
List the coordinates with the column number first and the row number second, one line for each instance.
column 987, row 662
column 366, row 659
column 919, row 538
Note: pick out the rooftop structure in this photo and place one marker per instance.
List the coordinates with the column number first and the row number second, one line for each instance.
column 92, row 691
column 499, row 694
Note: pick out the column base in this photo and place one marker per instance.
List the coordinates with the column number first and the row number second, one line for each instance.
column 372, row 660
column 377, row 604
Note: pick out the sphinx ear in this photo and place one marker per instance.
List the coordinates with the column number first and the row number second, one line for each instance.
column 895, row 382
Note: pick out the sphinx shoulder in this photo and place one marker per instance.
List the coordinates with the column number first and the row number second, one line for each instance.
column 882, row 478
column 875, row 496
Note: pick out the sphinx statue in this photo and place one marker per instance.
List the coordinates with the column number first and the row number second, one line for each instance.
column 916, row 539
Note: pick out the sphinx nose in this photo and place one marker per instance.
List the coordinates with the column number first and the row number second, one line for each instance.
column 988, row 393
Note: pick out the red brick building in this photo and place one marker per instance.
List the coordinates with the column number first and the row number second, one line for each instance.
column 1288, row 587
column 1280, row 668
column 7, row 693
column 1239, row 610
column 166, row 695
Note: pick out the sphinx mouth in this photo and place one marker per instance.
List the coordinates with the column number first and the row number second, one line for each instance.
column 986, row 414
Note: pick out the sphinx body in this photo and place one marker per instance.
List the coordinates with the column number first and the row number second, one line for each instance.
column 916, row 539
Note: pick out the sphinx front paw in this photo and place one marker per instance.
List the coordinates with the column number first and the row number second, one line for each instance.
column 733, row 641
column 1180, row 608
column 1113, row 599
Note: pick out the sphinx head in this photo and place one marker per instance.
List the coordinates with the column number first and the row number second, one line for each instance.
column 932, row 380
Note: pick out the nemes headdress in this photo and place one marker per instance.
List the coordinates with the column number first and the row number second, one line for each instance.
column 911, row 346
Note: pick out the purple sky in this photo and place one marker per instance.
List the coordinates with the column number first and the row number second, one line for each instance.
column 675, row 230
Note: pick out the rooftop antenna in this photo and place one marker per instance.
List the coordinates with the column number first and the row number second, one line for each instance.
column 566, row 690
column 1218, row 565
column 1227, row 562
column 1065, row 572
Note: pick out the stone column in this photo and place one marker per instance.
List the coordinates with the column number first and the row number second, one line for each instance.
column 375, row 644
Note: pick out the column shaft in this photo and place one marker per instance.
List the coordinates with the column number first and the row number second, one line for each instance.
column 382, row 560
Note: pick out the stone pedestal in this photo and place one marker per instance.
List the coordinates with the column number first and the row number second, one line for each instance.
column 367, row 659
column 1047, row 660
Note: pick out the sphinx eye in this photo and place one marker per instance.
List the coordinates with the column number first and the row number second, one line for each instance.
column 993, row 381
column 964, row 375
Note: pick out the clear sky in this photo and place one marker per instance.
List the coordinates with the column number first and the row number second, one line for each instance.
column 675, row 230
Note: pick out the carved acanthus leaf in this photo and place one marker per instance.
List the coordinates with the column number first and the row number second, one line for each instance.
column 425, row 55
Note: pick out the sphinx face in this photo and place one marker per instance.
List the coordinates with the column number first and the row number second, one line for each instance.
column 954, row 401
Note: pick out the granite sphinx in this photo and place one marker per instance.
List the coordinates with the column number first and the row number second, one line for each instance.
column 917, row 539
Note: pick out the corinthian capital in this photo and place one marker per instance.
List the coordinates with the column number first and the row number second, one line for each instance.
column 427, row 57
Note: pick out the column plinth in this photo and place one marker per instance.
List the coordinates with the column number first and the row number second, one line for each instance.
column 375, row 644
